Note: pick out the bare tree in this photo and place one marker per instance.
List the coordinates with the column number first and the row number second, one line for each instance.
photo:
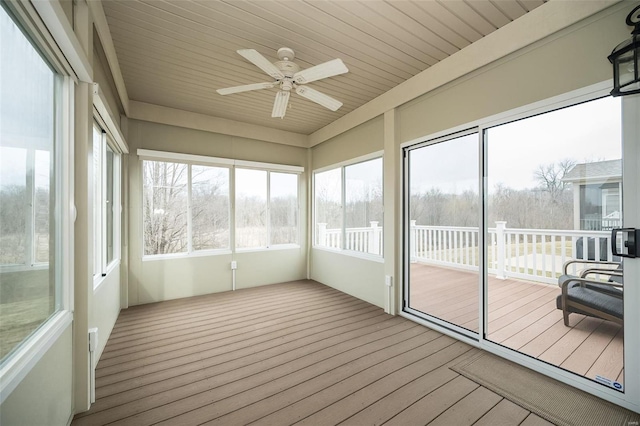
column 549, row 176
column 165, row 207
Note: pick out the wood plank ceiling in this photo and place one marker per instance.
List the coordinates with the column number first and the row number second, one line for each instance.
column 177, row 53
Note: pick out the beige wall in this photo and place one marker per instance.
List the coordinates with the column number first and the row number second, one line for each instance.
column 44, row 395
column 163, row 279
column 106, row 307
column 102, row 76
column 361, row 140
column 362, row 278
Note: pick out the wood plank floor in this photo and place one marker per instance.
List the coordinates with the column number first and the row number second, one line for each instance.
column 522, row 316
column 297, row 352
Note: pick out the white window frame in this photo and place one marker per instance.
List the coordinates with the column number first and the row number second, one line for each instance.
column 231, row 164
column 102, row 267
column 189, row 252
column 342, row 166
column 29, row 352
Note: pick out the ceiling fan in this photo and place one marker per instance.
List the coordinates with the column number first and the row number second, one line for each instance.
column 289, row 76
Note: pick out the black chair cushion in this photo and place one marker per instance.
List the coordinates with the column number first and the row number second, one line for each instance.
column 603, row 302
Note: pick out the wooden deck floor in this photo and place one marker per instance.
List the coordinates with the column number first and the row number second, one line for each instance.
column 282, row 354
column 522, row 316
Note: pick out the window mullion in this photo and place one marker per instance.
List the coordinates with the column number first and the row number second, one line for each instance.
column 189, row 211
column 103, row 202
column 268, row 219
column 30, row 234
column 343, row 243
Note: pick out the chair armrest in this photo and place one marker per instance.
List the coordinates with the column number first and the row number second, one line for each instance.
column 609, row 272
column 565, row 267
column 583, row 281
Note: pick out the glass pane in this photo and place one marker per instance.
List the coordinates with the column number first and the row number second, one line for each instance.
column 27, row 283
column 251, row 208
column 210, row 207
column 14, row 205
column 110, row 203
column 42, row 203
column 444, row 223
column 283, row 208
column 363, row 203
column 165, row 207
column 554, row 184
column 328, row 205
column 97, row 200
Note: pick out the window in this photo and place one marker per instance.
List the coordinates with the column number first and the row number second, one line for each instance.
column 283, row 212
column 266, row 208
column 186, row 207
column 187, row 204
column 348, row 207
column 30, row 176
column 210, row 207
column 106, row 199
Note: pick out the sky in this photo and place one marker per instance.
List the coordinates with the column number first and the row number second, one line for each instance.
column 585, row 132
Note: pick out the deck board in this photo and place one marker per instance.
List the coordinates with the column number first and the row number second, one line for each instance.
column 298, row 353
column 523, row 316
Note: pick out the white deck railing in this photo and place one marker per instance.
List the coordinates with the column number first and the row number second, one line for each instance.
column 532, row 254
column 365, row 240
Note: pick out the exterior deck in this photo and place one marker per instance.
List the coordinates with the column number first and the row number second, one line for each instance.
column 522, row 316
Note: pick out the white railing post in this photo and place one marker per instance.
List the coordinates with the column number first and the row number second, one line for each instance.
column 500, row 226
column 374, row 238
column 322, row 235
column 412, row 241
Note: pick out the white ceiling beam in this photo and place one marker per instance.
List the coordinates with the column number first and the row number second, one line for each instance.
column 102, row 28
column 191, row 120
column 541, row 22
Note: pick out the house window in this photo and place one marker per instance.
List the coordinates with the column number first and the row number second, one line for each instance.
column 600, row 206
column 348, row 207
column 30, row 189
column 106, row 198
column 266, row 208
column 186, row 208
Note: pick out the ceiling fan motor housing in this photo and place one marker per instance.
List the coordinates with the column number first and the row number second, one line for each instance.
column 287, row 68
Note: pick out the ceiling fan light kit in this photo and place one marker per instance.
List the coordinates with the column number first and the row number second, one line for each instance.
column 288, row 76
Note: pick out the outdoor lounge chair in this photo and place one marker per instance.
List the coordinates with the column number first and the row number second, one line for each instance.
column 582, row 295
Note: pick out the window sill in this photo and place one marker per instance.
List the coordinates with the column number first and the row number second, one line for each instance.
column 351, row 253
column 272, row 248
column 20, row 363
column 98, row 280
column 24, row 268
column 201, row 253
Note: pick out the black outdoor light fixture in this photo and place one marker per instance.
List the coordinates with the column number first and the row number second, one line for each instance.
column 626, row 60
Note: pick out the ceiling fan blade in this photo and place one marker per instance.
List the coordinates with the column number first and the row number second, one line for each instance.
column 280, row 104
column 327, row 69
column 319, row 97
column 245, row 88
column 261, row 62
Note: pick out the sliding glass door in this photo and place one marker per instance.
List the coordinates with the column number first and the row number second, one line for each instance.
column 554, row 193
column 507, row 238
column 443, row 209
